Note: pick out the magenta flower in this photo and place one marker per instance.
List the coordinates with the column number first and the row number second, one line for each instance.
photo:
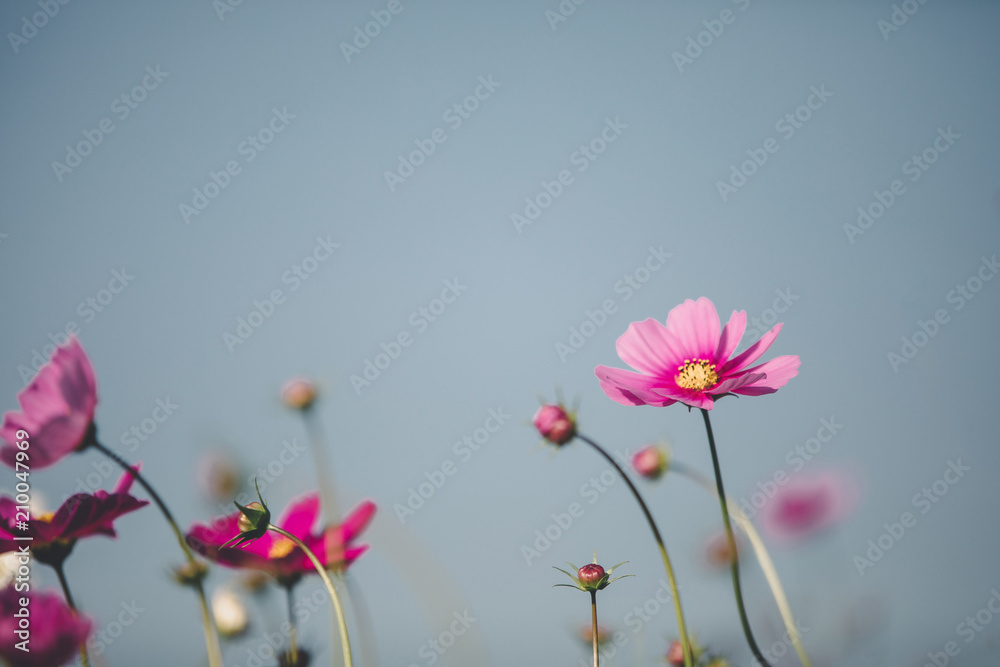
column 808, row 504
column 82, row 515
column 276, row 553
column 689, row 360
column 57, row 409
column 55, row 634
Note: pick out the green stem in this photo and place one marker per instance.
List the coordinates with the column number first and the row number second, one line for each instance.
column 293, row 643
column 688, row 659
column 593, row 607
column 84, row 657
column 766, row 564
column 344, row 640
column 211, row 639
column 735, row 564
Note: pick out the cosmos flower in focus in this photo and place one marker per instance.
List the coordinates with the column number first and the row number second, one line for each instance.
column 55, row 634
column 689, row 360
column 808, row 503
column 57, row 409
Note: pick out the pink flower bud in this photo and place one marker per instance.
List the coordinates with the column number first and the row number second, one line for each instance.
column 299, row 394
column 244, row 523
column 675, row 654
column 591, row 576
column 650, row 461
column 555, row 424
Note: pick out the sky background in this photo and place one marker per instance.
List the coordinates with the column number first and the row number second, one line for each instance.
column 346, row 118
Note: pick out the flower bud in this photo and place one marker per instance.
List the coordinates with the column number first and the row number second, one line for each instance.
column 190, row 573
column 555, row 424
column 675, row 654
column 244, row 523
column 651, row 461
column 591, row 576
column 299, row 394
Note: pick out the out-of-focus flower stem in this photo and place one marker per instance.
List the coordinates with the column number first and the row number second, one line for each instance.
column 675, row 593
column 342, row 622
column 211, row 638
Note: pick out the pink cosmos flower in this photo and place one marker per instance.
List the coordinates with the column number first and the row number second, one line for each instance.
column 809, row 503
column 276, row 553
column 57, row 409
column 54, row 637
column 81, row 515
column 651, row 461
column 689, row 360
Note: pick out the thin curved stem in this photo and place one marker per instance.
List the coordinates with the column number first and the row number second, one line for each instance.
column 211, row 639
column 766, row 564
column 688, row 658
column 84, row 657
column 735, row 564
column 593, row 607
column 344, row 640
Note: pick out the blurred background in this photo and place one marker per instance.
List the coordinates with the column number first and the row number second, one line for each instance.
column 219, row 196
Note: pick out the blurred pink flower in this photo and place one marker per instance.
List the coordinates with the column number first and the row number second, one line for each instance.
column 54, row 637
column 299, row 393
column 57, row 409
column 689, row 360
column 81, row 515
column 651, row 461
column 276, row 553
column 809, row 503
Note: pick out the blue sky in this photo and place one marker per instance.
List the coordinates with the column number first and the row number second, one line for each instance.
column 217, row 200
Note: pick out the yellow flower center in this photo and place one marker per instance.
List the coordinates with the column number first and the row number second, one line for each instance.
column 47, row 517
column 281, row 548
column 696, row 374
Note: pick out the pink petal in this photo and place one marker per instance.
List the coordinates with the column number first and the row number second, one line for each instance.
column 301, row 514
column 124, row 484
column 695, row 324
column 732, row 333
column 357, row 521
column 777, row 371
column 696, row 399
column 630, row 388
column 647, row 347
column 735, row 382
column 752, row 353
